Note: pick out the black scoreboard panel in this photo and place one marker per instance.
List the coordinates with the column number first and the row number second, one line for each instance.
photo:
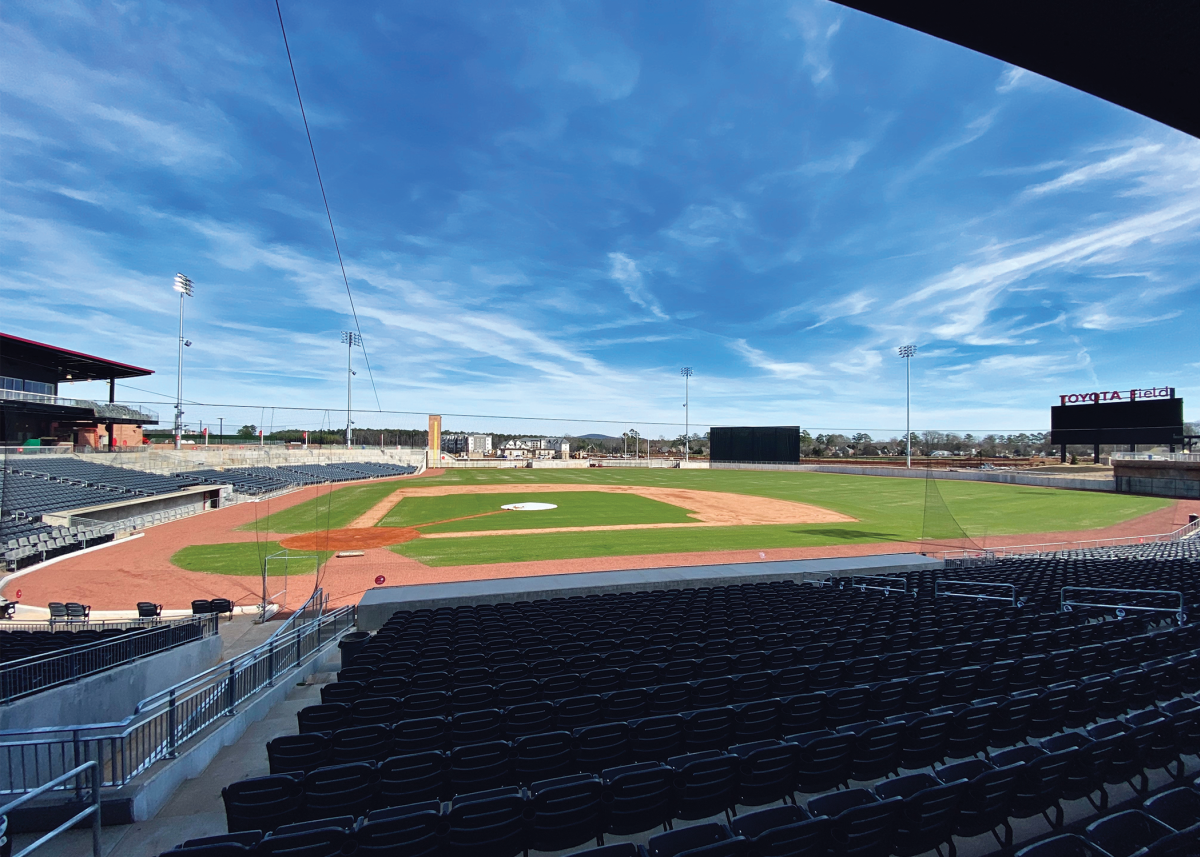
column 1158, row 421
column 775, row 444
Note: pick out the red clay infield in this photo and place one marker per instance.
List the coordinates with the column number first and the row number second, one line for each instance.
column 115, row 578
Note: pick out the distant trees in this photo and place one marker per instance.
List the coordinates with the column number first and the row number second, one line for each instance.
column 248, row 431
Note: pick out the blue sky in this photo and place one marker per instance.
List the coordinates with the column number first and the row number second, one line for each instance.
column 546, row 209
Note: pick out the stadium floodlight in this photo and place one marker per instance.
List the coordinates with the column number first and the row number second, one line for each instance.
column 687, row 373
column 349, row 339
column 184, row 286
column 907, row 352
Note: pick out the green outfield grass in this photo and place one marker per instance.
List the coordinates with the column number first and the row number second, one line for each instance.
column 330, row 511
column 886, row 509
column 245, row 559
column 575, row 509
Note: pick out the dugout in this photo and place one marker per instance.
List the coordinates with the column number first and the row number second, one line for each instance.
column 1147, row 416
column 769, row 444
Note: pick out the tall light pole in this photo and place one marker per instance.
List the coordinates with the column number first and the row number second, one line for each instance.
column 906, row 353
column 349, row 339
column 184, row 286
column 687, row 373
column 221, row 433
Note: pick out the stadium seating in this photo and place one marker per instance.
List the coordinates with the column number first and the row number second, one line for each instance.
column 895, row 721
column 35, row 486
column 256, row 481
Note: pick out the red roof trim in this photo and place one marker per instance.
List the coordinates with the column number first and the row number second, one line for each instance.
column 77, row 353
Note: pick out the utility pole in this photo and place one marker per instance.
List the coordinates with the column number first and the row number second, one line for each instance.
column 350, row 339
column 906, row 354
column 184, row 286
column 687, row 373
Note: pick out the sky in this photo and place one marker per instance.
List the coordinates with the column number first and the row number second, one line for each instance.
column 545, row 210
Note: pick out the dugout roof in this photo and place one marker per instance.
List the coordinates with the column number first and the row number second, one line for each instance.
column 1141, row 55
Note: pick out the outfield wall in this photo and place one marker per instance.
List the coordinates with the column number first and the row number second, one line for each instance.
column 1001, row 477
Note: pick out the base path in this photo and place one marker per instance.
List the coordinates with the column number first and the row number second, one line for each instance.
column 713, row 508
column 117, row 578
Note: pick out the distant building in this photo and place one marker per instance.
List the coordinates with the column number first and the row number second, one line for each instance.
column 536, row 447
column 472, row 445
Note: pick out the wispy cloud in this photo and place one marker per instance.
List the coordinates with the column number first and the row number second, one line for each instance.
column 625, row 272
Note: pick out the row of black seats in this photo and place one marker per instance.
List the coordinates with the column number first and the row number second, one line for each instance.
column 905, row 816
column 508, row 684
column 764, row 770
column 544, row 658
column 379, row 722
column 1165, row 825
column 605, row 692
column 955, row 731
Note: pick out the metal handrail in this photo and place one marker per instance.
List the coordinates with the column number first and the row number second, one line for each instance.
column 816, row 578
column 1011, row 598
column 1065, row 606
column 93, row 810
column 36, row 673
column 163, row 723
column 903, row 587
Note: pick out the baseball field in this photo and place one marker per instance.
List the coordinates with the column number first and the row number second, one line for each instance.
column 452, row 525
column 457, row 518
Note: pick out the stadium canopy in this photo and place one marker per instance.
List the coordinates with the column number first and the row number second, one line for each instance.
column 64, row 364
column 1144, row 56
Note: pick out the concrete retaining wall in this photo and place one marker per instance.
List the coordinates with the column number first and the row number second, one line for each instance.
column 112, row 695
column 1160, row 478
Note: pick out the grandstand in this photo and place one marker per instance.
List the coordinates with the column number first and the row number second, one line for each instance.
column 881, row 712
column 256, row 481
column 107, row 499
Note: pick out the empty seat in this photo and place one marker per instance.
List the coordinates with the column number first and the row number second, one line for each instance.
column 700, row 840
column 414, row 830
column 705, row 783
column 303, row 752
column 638, row 797
column 1124, row 833
column 567, row 811
column 262, row 803
column 784, row 831
column 492, row 822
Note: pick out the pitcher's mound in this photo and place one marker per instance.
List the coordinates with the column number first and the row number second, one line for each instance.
column 350, row 539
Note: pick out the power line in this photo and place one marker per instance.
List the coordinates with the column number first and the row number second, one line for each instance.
column 325, row 199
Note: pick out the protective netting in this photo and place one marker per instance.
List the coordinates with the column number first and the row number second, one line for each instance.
column 938, row 524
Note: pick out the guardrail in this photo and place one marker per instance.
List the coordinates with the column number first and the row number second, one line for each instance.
column 43, row 671
column 1155, row 456
column 163, row 723
column 883, row 583
column 1185, row 532
column 93, row 808
column 1066, row 605
column 1011, row 598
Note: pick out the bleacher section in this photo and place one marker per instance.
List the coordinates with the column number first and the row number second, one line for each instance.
column 546, row 725
column 255, row 481
column 33, row 486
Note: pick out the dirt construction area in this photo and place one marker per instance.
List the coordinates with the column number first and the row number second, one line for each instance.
column 116, row 576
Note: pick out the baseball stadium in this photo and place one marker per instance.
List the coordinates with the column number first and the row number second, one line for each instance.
column 745, row 641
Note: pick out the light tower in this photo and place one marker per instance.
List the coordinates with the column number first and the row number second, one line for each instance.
column 184, row 286
column 687, row 373
column 350, row 339
column 906, row 353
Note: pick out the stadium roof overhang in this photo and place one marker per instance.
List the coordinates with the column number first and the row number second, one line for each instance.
column 1142, row 56
column 65, row 364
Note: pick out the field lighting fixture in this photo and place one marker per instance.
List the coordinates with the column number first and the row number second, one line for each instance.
column 907, row 352
column 687, row 373
column 349, row 339
column 184, row 286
